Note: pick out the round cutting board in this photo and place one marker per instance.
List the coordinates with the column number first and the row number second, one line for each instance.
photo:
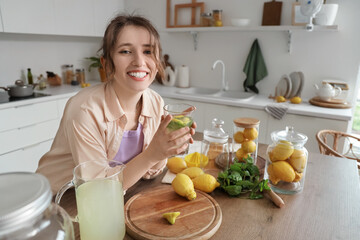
column 198, row 219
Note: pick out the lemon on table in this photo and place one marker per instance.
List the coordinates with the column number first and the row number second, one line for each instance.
column 280, row 99
column 183, row 186
column 193, row 172
column 196, row 159
column 176, row 164
column 296, row 100
column 248, row 146
column 250, row 133
column 239, row 137
column 206, row 183
column 281, row 151
column 171, row 216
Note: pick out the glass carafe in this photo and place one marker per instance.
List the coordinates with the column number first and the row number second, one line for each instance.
column 215, row 147
column 286, row 161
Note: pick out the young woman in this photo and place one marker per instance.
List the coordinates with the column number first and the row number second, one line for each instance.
column 121, row 120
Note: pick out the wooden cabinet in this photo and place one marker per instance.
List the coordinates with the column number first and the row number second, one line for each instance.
column 60, row 17
column 27, row 132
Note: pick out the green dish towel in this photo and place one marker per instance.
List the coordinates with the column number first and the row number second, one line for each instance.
column 255, row 68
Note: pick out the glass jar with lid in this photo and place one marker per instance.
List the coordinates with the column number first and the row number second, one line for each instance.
column 245, row 138
column 286, row 161
column 68, row 73
column 215, row 146
column 206, row 19
column 26, row 210
column 217, row 17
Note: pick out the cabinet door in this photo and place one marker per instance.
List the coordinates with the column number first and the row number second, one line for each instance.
column 1, row 23
column 104, row 11
column 306, row 125
column 229, row 113
column 74, row 17
column 25, row 16
column 25, row 159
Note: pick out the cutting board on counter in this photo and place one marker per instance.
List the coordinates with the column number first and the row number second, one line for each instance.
column 329, row 104
column 198, row 219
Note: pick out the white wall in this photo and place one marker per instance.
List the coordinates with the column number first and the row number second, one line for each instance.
column 320, row 55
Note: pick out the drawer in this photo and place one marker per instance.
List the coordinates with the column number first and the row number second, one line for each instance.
column 24, row 160
column 25, row 115
column 26, row 136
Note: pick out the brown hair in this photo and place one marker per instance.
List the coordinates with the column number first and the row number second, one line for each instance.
column 114, row 28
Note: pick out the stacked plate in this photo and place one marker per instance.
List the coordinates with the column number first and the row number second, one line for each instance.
column 290, row 86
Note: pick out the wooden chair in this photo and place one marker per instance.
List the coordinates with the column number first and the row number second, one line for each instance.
column 323, row 136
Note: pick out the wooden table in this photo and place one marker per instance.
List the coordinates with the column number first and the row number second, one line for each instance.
column 327, row 208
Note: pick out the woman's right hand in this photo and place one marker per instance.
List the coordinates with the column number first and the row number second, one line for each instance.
column 165, row 143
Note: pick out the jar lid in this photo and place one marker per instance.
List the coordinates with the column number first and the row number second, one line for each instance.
column 217, row 10
column 24, row 196
column 216, row 133
column 290, row 135
column 205, row 14
column 246, row 122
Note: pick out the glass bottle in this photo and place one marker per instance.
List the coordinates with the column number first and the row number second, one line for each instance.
column 30, row 76
column 215, row 146
column 286, row 161
column 217, row 16
column 68, row 73
column 245, row 138
column 206, row 19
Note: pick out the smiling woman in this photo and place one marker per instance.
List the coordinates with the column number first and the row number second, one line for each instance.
column 121, row 119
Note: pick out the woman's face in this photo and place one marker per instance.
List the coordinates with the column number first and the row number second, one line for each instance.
column 135, row 68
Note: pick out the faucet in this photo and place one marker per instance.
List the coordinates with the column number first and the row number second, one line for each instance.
column 225, row 85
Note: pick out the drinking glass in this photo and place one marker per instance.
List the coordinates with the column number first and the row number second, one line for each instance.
column 181, row 116
column 99, row 199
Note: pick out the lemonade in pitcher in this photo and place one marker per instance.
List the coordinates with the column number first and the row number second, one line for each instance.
column 100, row 205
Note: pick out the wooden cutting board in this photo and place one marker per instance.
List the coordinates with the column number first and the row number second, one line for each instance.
column 199, row 219
column 272, row 13
column 318, row 102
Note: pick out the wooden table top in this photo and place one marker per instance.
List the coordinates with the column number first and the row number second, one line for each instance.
column 327, row 208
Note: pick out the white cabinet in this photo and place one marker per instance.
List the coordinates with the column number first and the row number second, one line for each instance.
column 60, row 17
column 27, row 132
column 1, row 23
column 28, row 16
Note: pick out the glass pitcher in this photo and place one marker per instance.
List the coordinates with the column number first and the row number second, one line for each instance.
column 215, row 147
column 99, row 199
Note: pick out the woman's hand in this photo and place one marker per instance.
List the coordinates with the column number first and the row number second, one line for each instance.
column 166, row 144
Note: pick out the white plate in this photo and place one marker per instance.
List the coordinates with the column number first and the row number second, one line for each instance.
column 295, row 84
column 283, row 88
column 302, row 82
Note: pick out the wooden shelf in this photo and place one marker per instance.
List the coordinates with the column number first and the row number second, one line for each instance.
column 289, row 29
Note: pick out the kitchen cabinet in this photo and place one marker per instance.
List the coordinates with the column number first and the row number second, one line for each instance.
column 1, row 23
column 27, row 132
column 59, row 17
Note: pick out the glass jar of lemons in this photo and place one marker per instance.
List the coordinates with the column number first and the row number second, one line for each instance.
column 245, row 138
column 286, row 161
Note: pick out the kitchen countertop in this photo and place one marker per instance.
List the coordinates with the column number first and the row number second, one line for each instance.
column 258, row 102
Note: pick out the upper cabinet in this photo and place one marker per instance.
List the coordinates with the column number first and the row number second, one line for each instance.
column 59, row 17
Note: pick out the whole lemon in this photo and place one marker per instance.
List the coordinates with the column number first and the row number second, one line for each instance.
column 280, row 99
column 298, row 176
column 239, row 137
column 193, row 172
column 240, row 155
column 250, row 133
column 298, row 160
column 283, row 171
column 196, row 159
column 281, row 151
column 270, row 170
column 206, row 183
column 248, row 146
column 296, row 100
column 176, row 164
column 183, row 186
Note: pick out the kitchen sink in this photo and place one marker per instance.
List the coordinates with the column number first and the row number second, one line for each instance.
column 236, row 95
column 198, row 90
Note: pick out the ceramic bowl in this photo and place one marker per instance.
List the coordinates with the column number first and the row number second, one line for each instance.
column 240, row 22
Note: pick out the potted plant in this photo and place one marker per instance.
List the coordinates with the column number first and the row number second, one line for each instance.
column 96, row 63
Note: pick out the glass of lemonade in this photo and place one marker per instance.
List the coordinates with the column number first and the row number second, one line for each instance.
column 99, row 199
column 182, row 116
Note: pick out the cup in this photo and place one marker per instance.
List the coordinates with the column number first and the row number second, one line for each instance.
column 99, row 199
column 181, row 116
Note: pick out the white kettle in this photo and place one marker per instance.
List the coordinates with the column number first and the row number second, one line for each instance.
column 327, row 92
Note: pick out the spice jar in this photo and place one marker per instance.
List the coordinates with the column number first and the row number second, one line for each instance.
column 80, row 76
column 68, row 73
column 286, row 161
column 26, row 210
column 215, row 146
column 206, row 19
column 245, row 138
column 217, row 16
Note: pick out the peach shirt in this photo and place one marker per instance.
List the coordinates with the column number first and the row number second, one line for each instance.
column 92, row 127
